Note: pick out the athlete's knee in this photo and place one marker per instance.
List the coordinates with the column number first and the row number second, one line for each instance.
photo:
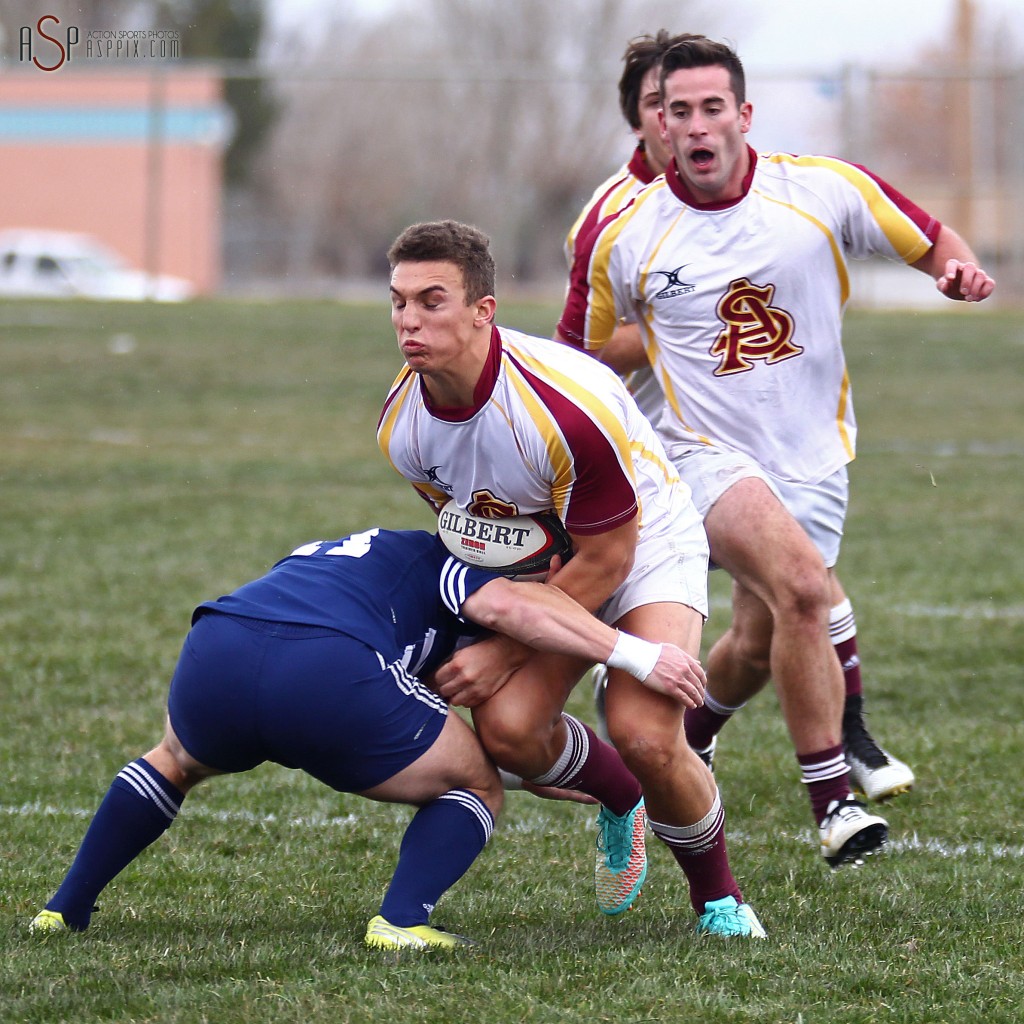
column 804, row 594
column 518, row 744
column 176, row 764
column 492, row 793
column 648, row 748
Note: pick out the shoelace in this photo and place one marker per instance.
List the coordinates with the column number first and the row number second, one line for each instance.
column 618, row 839
column 858, row 741
column 845, row 810
column 727, row 918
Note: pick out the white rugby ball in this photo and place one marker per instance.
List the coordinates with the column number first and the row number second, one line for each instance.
column 512, row 546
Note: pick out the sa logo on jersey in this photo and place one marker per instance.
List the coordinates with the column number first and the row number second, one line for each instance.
column 754, row 329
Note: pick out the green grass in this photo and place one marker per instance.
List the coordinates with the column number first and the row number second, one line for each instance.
column 153, row 457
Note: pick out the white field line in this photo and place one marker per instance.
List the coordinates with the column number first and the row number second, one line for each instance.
column 960, row 611
column 912, row 843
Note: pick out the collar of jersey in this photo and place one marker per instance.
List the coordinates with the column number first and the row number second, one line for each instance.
column 684, row 195
column 481, row 392
column 639, row 167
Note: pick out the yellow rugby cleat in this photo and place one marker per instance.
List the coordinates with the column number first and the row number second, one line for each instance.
column 381, row 934
column 48, row 921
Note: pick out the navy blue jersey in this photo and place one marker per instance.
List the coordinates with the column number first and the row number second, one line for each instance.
column 398, row 591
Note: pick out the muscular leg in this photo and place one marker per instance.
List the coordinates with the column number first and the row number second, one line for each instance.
column 739, row 663
column 140, row 805
column 522, row 726
column 679, row 790
column 772, row 559
column 459, row 796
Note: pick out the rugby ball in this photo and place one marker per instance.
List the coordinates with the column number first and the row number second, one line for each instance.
column 511, row 546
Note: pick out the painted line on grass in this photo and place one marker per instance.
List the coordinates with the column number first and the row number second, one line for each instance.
column 1013, row 612
column 914, row 843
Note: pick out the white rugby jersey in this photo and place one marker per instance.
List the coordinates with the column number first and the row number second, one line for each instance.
column 609, row 197
column 553, row 428
column 741, row 302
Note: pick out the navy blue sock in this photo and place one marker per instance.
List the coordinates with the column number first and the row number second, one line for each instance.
column 138, row 808
column 442, row 840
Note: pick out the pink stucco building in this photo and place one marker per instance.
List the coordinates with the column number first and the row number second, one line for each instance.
column 132, row 157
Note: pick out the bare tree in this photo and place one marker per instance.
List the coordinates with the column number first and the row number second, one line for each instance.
column 504, row 115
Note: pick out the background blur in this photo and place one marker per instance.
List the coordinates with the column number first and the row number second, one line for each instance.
column 271, row 148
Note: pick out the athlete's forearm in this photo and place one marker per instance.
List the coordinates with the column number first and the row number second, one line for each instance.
column 954, row 268
column 542, row 617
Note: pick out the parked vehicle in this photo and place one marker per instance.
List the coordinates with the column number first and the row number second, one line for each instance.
column 64, row 264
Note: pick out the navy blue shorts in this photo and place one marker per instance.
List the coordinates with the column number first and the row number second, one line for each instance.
column 247, row 691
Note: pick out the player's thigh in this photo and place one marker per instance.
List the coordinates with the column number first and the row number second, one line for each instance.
column 635, row 713
column 670, row 567
column 455, row 760
column 530, row 704
column 761, row 545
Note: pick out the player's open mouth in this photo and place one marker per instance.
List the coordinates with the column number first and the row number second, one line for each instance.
column 701, row 158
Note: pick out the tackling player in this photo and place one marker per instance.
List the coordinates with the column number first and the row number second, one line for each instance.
column 507, row 424
column 736, row 265
column 316, row 666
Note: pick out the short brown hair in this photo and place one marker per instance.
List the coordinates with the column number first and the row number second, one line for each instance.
column 701, row 52
column 642, row 54
column 448, row 241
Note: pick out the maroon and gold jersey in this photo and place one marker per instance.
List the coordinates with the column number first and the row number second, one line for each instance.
column 553, row 429
column 740, row 303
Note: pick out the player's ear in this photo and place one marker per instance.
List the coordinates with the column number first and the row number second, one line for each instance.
column 485, row 310
column 746, row 115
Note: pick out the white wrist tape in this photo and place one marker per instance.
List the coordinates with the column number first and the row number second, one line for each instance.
column 635, row 656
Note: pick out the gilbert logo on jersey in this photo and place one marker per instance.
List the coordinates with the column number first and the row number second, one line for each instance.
column 754, row 329
column 673, row 286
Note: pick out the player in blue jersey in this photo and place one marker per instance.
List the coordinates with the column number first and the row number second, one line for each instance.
column 317, row 665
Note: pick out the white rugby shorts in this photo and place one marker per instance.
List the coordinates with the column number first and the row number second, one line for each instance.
column 671, row 565
column 820, row 508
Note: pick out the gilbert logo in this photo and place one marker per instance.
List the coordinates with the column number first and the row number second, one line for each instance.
column 754, row 329
column 56, row 43
column 673, row 285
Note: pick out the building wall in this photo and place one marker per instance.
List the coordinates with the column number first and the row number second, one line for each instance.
column 133, row 158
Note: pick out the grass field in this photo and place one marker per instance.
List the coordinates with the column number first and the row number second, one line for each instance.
column 151, row 458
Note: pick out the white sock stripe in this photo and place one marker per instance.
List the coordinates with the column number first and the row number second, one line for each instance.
column 696, row 834
column 841, row 623
column 475, row 806
column 573, row 757
column 137, row 778
column 725, row 710
column 831, row 769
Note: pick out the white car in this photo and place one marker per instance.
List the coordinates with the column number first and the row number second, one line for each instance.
column 64, row 264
